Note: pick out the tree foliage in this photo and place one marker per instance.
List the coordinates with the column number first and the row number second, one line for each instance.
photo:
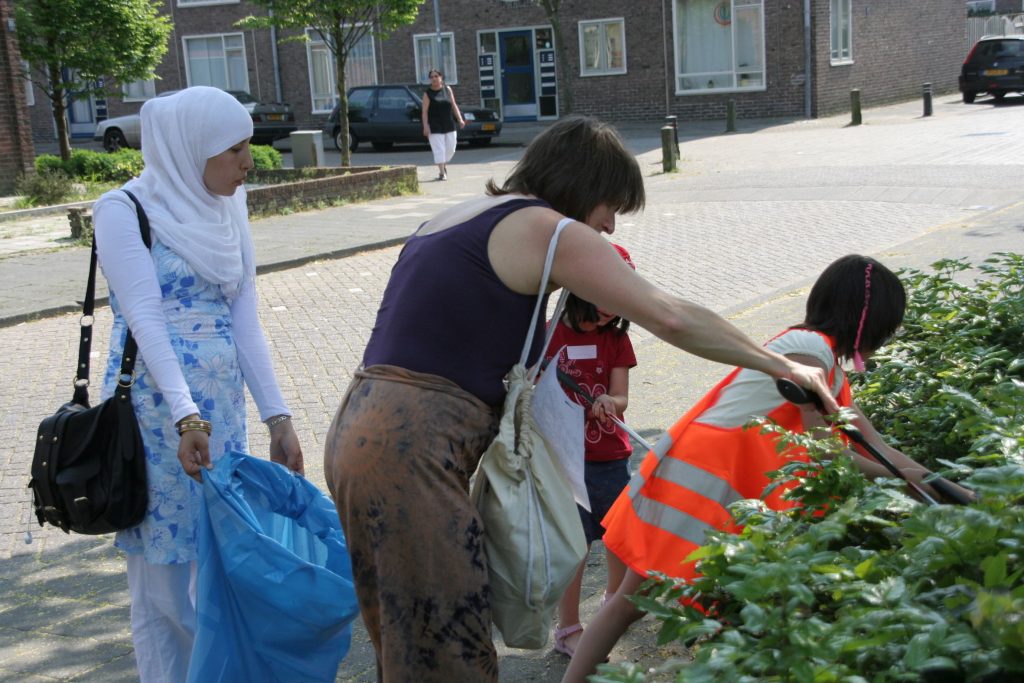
column 75, row 45
column 341, row 24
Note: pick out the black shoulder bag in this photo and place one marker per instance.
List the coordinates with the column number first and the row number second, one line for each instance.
column 89, row 468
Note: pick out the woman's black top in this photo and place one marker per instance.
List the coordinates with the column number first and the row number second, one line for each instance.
column 439, row 115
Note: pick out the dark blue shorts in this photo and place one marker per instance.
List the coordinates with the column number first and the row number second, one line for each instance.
column 605, row 481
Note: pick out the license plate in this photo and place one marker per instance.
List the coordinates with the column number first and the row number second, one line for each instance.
column 275, row 117
column 994, row 72
column 487, row 126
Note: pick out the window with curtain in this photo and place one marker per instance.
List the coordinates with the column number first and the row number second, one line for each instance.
column 719, row 45
column 424, row 48
column 602, row 47
column 841, row 25
column 360, row 69
column 217, row 61
column 138, row 91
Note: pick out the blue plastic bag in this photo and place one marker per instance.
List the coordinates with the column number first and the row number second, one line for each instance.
column 275, row 598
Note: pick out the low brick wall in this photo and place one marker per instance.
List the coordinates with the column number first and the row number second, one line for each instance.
column 299, row 189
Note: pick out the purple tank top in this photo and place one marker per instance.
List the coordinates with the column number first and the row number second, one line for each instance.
column 445, row 311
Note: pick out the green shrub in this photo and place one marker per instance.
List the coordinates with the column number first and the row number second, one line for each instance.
column 48, row 186
column 119, row 166
column 952, row 382
column 861, row 583
column 49, row 162
column 265, row 157
column 85, row 164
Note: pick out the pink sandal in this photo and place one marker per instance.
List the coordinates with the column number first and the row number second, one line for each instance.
column 560, row 636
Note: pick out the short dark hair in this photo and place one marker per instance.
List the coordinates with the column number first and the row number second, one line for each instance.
column 579, row 311
column 836, row 303
column 576, row 164
column 435, row 71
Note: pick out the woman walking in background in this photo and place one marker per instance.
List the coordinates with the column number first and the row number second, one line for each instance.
column 440, row 114
column 191, row 306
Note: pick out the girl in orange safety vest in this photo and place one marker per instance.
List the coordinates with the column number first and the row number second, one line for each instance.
column 708, row 460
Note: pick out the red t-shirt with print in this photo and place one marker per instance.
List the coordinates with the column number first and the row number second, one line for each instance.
column 588, row 359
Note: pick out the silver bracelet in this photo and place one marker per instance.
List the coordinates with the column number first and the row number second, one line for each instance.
column 276, row 420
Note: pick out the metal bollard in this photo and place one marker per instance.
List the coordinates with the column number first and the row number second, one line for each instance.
column 927, row 94
column 855, row 118
column 674, row 122
column 668, row 149
column 730, row 116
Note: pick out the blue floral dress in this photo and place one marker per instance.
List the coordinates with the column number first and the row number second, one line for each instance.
column 199, row 322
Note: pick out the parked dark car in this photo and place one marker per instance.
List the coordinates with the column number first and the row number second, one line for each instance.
column 385, row 114
column 269, row 122
column 995, row 65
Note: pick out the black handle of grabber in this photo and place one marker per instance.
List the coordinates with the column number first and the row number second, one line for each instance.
column 950, row 491
column 794, row 393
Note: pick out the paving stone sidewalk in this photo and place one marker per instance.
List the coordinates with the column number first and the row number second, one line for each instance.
column 744, row 227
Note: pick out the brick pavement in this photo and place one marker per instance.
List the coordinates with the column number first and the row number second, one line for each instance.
column 744, row 225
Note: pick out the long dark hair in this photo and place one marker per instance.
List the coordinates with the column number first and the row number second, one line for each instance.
column 839, row 300
column 578, row 311
column 576, row 164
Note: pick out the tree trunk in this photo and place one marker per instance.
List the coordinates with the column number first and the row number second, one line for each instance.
column 562, row 67
column 59, row 104
column 340, row 60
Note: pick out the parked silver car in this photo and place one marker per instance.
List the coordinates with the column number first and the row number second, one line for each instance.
column 269, row 122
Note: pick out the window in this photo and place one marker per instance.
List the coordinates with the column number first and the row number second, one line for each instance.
column 719, row 45
column 395, row 99
column 139, row 91
column 424, row 45
column 980, row 7
column 360, row 69
column 602, row 47
column 841, row 25
column 30, row 93
column 217, row 61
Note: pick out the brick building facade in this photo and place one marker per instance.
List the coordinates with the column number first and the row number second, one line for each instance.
column 16, row 151
column 626, row 61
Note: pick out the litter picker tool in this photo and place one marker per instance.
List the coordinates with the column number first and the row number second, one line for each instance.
column 794, row 393
column 569, row 382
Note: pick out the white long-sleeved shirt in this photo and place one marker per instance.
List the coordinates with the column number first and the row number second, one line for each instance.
column 131, row 276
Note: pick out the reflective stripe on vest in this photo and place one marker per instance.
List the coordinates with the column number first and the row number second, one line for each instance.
column 670, row 520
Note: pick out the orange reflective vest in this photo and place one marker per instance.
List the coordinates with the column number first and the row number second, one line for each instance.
column 684, row 486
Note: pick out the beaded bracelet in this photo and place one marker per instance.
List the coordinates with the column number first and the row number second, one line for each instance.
column 194, row 426
column 272, row 422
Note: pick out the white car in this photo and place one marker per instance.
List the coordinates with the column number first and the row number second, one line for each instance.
column 118, row 132
column 269, row 122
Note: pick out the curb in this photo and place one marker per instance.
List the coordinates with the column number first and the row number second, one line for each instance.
column 12, row 320
column 19, row 214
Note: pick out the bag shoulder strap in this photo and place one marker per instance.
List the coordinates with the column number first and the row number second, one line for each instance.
column 548, row 261
column 81, row 395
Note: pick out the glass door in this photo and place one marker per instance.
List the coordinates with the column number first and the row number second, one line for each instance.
column 518, row 76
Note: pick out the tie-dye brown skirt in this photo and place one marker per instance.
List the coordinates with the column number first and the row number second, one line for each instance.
column 398, row 459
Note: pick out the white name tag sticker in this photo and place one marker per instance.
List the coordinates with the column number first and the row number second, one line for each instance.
column 587, row 352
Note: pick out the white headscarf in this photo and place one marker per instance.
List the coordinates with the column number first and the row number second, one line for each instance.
column 211, row 232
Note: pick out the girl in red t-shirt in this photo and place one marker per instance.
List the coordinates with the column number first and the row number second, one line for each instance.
column 597, row 357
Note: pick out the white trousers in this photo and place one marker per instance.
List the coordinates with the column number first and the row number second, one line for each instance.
column 163, row 618
column 443, row 146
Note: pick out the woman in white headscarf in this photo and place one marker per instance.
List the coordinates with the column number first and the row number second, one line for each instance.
column 190, row 303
